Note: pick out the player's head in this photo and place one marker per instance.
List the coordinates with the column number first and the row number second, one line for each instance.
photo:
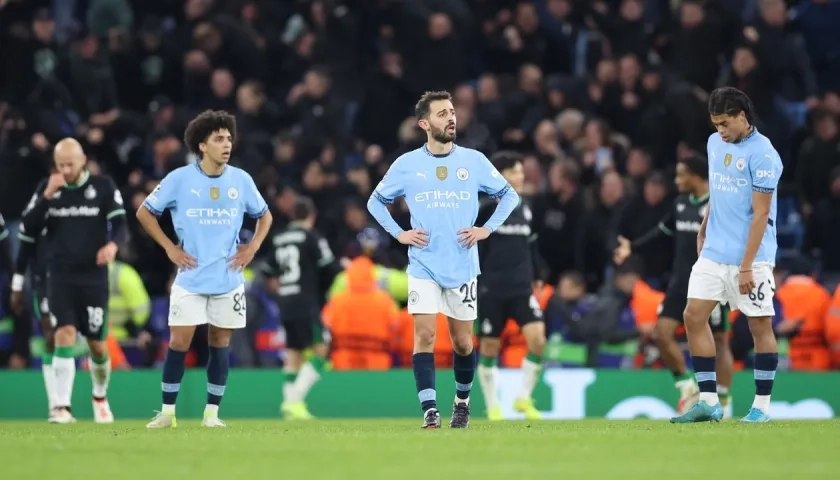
column 692, row 171
column 69, row 159
column 732, row 113
column 628, row 273
column 210, row 135
column 509, row 164
column 436, row 116
column 572, row 286
column 304, row 211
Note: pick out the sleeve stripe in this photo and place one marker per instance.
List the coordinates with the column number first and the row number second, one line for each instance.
column 763, row 189
column 665, row 229
column 261, row 213
column 24, row 238
column 115, row 213
column 501, row 193
column 4, row 234
column 382, row 198
column 152, row 209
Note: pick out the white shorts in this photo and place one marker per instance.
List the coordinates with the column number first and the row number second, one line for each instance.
column 715, row 281
column 224, row 311
column 426, row 296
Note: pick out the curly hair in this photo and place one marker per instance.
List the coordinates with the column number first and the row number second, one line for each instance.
column 207, row 122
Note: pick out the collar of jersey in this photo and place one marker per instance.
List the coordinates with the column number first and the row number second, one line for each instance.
column 442, row 155
column 749, row 135
column 198, row 166
column 84, row 178
column 695, row 200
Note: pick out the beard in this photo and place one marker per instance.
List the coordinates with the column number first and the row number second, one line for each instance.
column 441, row 135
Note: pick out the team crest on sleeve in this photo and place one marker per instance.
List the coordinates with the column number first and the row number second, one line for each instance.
column 441, row 173
column 740, row 164
column 462, row 174
column 233, row 193
column 727, row 160
column 494, row 173
column 214, row 193
column 90, row 193
column 413, row 297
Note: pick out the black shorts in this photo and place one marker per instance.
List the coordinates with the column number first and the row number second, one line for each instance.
column 304, row 328
column 84, row 306
column 676, row 299
column 494, row 311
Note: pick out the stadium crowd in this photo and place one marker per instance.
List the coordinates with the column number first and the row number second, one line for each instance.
column 600, row 97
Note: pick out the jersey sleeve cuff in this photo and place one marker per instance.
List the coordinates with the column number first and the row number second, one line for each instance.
column 261, row 213
column 381, row 198
column 763, row 189
column 115, row 213
column 501, row 193
column 152, row 209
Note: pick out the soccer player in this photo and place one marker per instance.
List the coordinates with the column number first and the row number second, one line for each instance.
column 737, row 249
column 31, row 256
column 682, row 223
column 505, row 290
column 440, row 182
column 207, row 201
column 305, row 267
column 76, row 208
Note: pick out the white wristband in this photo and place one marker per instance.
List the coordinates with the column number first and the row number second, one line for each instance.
column 17, row 282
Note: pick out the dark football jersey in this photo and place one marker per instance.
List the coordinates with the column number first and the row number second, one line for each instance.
column 506, row 258
column 304, row 265
column 683, row 223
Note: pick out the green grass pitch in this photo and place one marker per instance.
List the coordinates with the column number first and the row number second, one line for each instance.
column 399, row 450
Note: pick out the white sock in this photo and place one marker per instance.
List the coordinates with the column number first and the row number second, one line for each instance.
column 488, row 379
column 49, row 384
column 289, row 393
column 530, row 376
column 100, row 373
column 711, row 398
column 306, row 379
column 168, row 409
column 65, row 375
column 762, row 402
column 211, row 410
column 686, row 386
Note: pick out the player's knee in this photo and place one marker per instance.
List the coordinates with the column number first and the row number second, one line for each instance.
column 664, row 333
column 761, row 328
column 218, row 337
column 462, row 344
column 98, row 349
column 695, row 316
column 180, row 338
column 424, row 340
column 489, row 347
column 535, row 337
column 65, row 335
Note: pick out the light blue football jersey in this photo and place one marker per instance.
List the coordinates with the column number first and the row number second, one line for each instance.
column 207, row 213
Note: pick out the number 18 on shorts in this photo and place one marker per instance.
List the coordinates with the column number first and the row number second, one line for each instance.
column 426, row 296
column 715, row 281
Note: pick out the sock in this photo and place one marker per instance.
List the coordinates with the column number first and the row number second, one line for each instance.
column 308, row 376
column 704, row 368
column 64, row 367
column 531, row 367
column 173, row 372
column 49, row 378
column 764, row 374
column 723, row 395
column 685, row 383
column 100, row 373
column 217, row 373
column 289, row 379
column 488, row 374
column 464, row 367
column 424, row 378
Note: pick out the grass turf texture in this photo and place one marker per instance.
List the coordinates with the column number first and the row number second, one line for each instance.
column 399, row 449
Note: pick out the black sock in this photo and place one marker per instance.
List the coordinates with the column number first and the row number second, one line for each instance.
column 704, row 371
column 173, row 372
column 217, row 373
column 424, row 378
column 765, row 372
column 464, row 367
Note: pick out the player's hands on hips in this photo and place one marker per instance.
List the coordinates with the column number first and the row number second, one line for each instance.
column 470, row 236
column 106, row 254
column 55, row 182
column 622, row 251
column 416, row 238
column 746, row 282
column 244, row 255
column 181, row 259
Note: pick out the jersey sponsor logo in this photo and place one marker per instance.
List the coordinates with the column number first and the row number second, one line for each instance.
column 443, row 198
column 727, row 183
column 686, row 226
column 83, row 211
column 524, row 230
column 213, row 216
column 765, row 174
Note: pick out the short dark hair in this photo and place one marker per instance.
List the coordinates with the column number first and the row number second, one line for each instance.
column 304, row 207
column 207, row 122
column 422, row 109
column 697, row 165
column 505, row 159
column 575, row 277
column 731, row 101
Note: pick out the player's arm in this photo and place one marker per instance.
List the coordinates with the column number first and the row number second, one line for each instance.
column 494, row 184
column 256, row 207
column 328, row 266
column 765, row 179
column 161, row 198
column 115, row 214
column 388, row 190
column 34, row 215
column 666, row 227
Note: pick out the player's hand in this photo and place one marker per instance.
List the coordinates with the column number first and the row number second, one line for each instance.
column 244, row 255
column 181, row 259
column 701, row 238
column 745, row 281
column 416, row 238
column 470, row 236
column 55, row 182
column 106, row 254
column 622, row 251
column 16, row 302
